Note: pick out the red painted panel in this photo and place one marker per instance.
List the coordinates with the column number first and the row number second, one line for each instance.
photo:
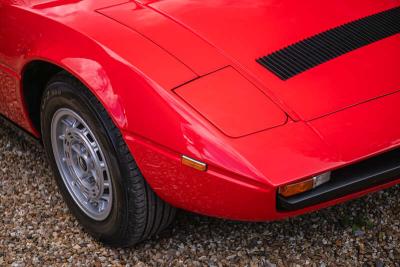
column 200, row 56
column 232, row 103
column 10, row 99
column 364, row 129
column 215, row 192
column 247, row 30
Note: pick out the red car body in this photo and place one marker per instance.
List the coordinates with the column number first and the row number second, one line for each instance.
column 180, row 78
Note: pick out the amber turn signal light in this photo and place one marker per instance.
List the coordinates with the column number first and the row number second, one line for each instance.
column 195, row 164
column 297, row 188
column 304, row 186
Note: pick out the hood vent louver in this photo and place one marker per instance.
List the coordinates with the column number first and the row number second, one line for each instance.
column 313, row 51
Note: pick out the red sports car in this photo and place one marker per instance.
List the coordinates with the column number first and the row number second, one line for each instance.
column 242, row 109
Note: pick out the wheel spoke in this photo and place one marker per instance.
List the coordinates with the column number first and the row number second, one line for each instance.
column 105, row 198
column 75, row 124
column 102, row 165
column 67, row 122
column 76, row 149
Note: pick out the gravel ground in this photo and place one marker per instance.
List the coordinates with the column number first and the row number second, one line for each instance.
column 37, row 229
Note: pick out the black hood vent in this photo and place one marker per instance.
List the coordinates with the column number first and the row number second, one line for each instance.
column 313, row 51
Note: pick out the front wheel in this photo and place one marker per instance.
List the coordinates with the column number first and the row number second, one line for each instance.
column 94, row 169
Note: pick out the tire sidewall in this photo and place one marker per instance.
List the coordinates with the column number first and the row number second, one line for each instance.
column 62, row 95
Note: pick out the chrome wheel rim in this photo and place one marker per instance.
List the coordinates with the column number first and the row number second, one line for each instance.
column 82, row 164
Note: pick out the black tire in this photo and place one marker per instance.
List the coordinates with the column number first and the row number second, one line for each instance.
column 137, row 213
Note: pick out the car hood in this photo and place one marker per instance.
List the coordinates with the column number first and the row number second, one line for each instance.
column 208, row 34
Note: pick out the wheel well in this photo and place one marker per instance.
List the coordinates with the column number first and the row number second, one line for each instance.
column 35, row 77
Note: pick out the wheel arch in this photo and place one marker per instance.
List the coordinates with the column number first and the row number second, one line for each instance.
column 37, row 72
column 35, row 76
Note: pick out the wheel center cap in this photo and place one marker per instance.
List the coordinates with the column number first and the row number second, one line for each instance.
column 82, row 163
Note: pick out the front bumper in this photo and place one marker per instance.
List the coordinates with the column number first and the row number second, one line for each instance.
column 375, row 171
column 279, row 156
